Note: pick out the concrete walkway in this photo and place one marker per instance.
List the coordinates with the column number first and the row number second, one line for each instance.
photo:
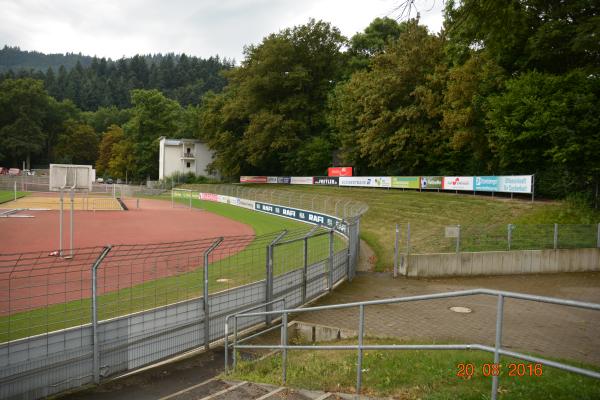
column 551, row 330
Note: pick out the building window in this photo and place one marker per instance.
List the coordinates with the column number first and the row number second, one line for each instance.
column 189, row 150
column 187, row 164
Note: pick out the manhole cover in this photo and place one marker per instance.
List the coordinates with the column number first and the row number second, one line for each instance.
column 222, row 280
column 462, row 310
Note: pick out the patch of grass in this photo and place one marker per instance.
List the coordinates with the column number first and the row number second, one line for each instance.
column 9, row 195
column 483, row 220
column 414, row 374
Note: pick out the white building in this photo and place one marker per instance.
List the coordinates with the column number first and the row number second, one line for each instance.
column 183, row 156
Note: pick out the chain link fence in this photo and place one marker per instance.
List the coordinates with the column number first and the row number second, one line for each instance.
column 346, row 209
column 415, row 239
column 67, row 322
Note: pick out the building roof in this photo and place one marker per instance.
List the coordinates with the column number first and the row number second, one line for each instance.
column 178, row 142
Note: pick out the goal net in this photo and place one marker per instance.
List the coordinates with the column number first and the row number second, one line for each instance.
column 181, row 198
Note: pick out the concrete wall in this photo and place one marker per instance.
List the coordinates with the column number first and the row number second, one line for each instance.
column 503, row 262
column 203, row 157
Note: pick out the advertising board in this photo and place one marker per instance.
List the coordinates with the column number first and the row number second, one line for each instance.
column 284, row 179
column 301, row 180
column 406, row 182
column 326, row 180
column 271, row 179
column 253, row 179
column 516, row 184
column 339, row 171
column 508, row 183
column 302, row 215
column 431, row 182
column 245, row 203
column 366, row 181
column 458, row 183
column 208, row 197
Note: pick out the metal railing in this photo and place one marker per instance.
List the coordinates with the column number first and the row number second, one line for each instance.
column 360, row 347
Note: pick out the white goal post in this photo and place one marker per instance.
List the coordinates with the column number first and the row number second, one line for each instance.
column 181, row 198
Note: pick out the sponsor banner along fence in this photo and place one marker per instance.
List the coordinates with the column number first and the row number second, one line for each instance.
column 301, row 180
column 458, row 183
column 339, row 171
column 406, row 182
column 254, row 179
column 431, row 182
column 366, row 181
column 507, row 184
column 504, row 183
column 234, row 201
column 312, row 217
column 326, row 180
column 285, row 180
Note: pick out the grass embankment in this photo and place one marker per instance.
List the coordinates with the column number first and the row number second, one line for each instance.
column 412, row 374
column 483, row 220
column 9, row 195
column 232, row 269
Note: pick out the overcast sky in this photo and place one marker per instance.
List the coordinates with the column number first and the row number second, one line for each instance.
column 116, row 28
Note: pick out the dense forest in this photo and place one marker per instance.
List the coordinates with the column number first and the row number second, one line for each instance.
column 507, row 87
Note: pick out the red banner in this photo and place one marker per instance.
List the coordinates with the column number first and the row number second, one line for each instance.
column 339, row 171
column 209, row 197
column 253, row 179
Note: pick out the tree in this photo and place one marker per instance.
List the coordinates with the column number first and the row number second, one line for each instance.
column 379, row 34
column 110, row 138
column 549, row 125
column 388, row 118
column 78, row 144
column 547, row 35
column 465, row 105
column 104, row 117
column 23, row 106
column 123, row 160
column 153, row 116
column 275, row 101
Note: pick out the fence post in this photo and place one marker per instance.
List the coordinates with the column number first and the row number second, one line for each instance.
column 498, row 344
column 269, row 276
column 60, row 224
column 361, row 331
column 407, row 240
column 72, row 196
column 331, row 238
column 205, row 292
column 555, row 236
column 95, row 342
column 598, row 237
column 15, row 190
column 305, row 270
column 458, row 239
column 509, row 235
column 284, row 342
column 396, row 253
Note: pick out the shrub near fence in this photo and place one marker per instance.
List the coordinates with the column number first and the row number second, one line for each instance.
column 67, row 323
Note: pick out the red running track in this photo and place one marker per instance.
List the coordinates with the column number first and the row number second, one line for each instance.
column 40, row 279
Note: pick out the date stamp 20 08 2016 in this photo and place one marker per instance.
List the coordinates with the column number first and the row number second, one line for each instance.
column 515, row 370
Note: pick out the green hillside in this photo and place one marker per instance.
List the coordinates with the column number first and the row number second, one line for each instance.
column 429, row 212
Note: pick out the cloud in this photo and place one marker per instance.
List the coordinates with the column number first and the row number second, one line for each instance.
column 114, row 28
